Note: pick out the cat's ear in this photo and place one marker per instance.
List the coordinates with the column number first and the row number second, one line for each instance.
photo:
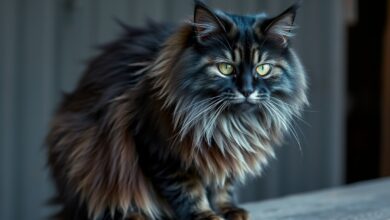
column 281, row 28
column 206, row 22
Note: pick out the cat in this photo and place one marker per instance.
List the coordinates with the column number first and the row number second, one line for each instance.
column 168, row 118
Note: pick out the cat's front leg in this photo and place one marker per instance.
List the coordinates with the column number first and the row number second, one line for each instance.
column 223, row 201
column 186, row 194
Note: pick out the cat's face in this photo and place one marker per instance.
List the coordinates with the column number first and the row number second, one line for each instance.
column 245, row 61
column 228, row 73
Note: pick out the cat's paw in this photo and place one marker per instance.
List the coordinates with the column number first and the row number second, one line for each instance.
column 235, row 213
column 135, row 216
column 208, row 216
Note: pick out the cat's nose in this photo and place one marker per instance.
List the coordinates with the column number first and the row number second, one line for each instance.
column 245, row 84
column 247, row 91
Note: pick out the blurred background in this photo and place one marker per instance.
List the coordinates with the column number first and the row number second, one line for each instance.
column 344, row 44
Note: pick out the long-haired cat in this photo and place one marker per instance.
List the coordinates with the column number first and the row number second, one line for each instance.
column 168, row 118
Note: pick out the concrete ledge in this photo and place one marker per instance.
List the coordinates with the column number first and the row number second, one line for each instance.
column 362, row 201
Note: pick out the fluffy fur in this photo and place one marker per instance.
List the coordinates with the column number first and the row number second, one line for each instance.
column 155, row 131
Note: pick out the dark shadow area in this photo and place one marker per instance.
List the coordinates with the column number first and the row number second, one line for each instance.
column 365, row 50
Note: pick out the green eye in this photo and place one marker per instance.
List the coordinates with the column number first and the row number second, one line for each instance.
column 225, row 68
column 263, row 69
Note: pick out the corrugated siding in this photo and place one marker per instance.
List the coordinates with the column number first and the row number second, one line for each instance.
column 43, row 48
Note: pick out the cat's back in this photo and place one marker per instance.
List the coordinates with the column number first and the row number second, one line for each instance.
column 119, row 66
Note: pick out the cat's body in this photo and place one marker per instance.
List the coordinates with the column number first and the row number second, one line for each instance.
column 148, row 133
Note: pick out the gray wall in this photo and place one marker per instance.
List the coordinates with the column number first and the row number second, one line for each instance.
column 45, row 43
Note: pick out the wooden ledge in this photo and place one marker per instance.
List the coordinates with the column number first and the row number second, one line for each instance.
column 362, row 201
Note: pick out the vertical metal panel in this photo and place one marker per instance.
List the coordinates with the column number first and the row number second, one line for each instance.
column 77, row 35
column 36, row 54
column 337, row 88
column 140, row 11
column 8, row 61
column 107, row 12
column 178, row 10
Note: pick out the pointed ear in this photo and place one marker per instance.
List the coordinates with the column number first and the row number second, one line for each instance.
column 282, row 26
column 206, row 22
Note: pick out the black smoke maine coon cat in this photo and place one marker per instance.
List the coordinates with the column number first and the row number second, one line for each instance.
column 168, row 118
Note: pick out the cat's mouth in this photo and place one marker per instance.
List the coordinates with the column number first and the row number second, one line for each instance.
column 245, row 104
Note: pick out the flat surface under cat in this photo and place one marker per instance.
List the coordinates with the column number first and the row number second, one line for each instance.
column 168, row 118
column 360, row 201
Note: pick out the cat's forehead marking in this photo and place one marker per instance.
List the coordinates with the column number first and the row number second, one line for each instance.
column 237, row 55
column 251, row 54
column 264, row 57
column 255, row 54
column 228, row 55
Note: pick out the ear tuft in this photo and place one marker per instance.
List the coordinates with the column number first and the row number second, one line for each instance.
column 206, row 21
column 282, row 26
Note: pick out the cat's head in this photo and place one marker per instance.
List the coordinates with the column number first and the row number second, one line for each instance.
column 233, row 64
